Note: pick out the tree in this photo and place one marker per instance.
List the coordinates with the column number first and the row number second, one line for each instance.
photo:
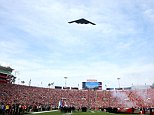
column 49, row 85
column 152, row 86
column 22, row 82
column 52, row 83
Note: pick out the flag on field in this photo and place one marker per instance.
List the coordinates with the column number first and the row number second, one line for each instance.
column 60, row 104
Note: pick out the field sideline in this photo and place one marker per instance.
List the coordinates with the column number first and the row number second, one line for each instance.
column 77, row 113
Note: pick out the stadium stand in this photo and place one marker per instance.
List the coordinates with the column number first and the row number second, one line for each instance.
column 16, row 99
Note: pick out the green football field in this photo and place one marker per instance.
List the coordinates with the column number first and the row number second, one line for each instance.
column 78, row 113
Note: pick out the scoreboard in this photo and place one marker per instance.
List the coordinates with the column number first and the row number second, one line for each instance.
column 92, row 85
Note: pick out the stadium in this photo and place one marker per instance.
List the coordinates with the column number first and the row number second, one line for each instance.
column 19, row 99
column 76, row 57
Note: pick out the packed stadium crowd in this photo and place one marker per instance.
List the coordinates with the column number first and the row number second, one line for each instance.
column 15, row 99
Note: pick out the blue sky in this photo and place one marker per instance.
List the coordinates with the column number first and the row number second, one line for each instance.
column 37, row 41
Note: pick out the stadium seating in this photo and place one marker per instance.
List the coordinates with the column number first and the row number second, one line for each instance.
column 37, row 98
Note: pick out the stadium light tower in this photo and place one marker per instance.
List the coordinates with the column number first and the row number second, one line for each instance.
column 118, row 81
column 65, row 80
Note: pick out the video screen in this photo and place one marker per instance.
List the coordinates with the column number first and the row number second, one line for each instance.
column 92, row 85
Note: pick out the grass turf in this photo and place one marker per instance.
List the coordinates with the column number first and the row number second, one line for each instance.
column 79, row 113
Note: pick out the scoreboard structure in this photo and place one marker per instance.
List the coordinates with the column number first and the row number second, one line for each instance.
column 94, row 85
column 6, row 75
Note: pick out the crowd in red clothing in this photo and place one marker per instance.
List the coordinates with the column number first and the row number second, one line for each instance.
column 36, row 97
